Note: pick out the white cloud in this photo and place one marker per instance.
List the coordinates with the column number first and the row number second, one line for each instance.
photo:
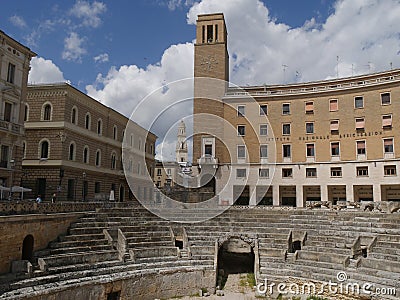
column 73, row 48
column 89, row 13
column 101, row 58
column 175, row 4
column 44, row 71
column 18, row 21
column 358, row 31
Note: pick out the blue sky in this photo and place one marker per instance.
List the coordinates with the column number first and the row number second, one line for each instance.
column 118, row 32
column 118, row 52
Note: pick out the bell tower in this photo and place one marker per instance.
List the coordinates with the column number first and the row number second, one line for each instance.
column 181, row 144
column 211, row 76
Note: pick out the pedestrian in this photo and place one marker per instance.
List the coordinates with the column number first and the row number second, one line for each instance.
column 39, row 199
column 53, row 198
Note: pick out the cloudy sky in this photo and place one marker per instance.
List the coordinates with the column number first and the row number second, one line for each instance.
column 121, row 51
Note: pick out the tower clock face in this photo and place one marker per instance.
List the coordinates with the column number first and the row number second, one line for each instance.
column 208, row 62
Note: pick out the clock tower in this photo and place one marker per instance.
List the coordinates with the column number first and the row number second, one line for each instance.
column 211, row 75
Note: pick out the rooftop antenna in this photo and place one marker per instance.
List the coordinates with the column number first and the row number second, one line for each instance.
column 298, row 75
column 337, row 66
column 391, row 66
column 284, row 72
column 352, row 69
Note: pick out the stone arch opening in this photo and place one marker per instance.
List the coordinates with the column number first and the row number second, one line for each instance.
column 235, row 256
column 27, row 248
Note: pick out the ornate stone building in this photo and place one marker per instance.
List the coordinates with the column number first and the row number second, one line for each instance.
column 73, row 147
column 14, row 68
column 331, row 140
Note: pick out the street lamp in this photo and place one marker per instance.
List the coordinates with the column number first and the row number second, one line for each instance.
column 12, row 165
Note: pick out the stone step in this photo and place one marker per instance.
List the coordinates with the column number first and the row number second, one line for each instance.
column 78, row 243
column 151, row 244
column 82, row 237
column 73, row 250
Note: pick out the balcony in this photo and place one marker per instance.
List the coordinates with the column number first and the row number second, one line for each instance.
column 208, row 161
column 11, row 127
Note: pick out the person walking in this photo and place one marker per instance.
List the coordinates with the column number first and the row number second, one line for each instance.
column 39, row 199
column 53, row 198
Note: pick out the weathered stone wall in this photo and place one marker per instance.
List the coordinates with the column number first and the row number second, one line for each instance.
column 43, row 228
column 144, row 285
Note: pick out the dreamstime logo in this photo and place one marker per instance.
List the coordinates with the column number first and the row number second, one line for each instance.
column 318, row 288
column 216, row 122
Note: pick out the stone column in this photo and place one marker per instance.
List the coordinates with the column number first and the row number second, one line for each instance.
column 349, row 193
column 376, row 192
column 324, row 192
column 275, row 195
column 299, row 196
column 252, row 192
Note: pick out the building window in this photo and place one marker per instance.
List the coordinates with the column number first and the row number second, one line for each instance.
column 311, row 172
column 208, row 149
column 362, row 171
column 334, row 126
column 44, row 149
column 387, row 121
column 287, row 173
column 71, row 153
column 98, row 158
column 158, row 172
column 309, row 127
column 241, row 151
column 241, row 130
column 285, row 109
column 87, row 121
column 309, row 107
column 385, row 98
column 47, row 112
column 390, row 170
column 263, row 151
column 240, row 173
column 86, row 155
column 359, row 102
column 115, row 132
column 99, row 127
column 333, row 105
column 74, row 116
column 97, row 187
column 360, row 123
column 240, row 110
column 335, row 151
column 7, row 111
column 168, row 171
column 113, row 161
column 285, row 129
column 263, row 173
column 26, row 112
column 263, row 110
column 287, row 151
column 4, row 156
column 264, row 129
column 310, row 150
column 361, row 148
column 336, row 172
column 388, row 145
column 11, row 73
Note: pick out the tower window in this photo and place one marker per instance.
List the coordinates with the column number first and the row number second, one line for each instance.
column 263, row 110
column 286, row 109
column 309, row 107
column 241, row 151
column 309, row 127
column 44, row 149
column 333, row 105
column 209, row 33
column 387, row 121
column 388, row 145
column 360, row 123
column 263, row 129
column 216, row 32
column 310, row 150
column 263, row 151
column 287, row 151
column 208, row 149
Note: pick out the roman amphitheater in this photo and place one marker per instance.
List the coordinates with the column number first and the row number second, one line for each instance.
column 315, row 232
